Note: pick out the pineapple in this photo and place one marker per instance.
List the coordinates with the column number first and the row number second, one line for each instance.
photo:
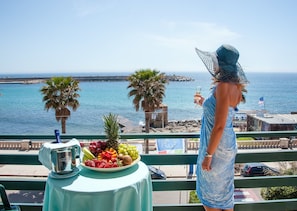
column 111, row 129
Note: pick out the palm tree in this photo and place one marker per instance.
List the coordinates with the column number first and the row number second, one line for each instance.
column 148, row 89
column 60, row 94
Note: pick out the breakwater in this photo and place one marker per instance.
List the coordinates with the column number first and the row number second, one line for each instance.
column 34, row 80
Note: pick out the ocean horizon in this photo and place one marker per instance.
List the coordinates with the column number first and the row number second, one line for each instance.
column 22, row 110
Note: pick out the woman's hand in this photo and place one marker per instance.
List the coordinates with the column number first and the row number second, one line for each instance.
column 198, row 99
column 206, row 164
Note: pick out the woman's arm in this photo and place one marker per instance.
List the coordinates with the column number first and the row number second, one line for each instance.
column 221, row 113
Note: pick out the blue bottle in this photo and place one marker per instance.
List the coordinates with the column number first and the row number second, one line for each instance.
column 57, row 134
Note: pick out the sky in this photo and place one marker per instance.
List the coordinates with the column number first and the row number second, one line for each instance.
column 72, row 36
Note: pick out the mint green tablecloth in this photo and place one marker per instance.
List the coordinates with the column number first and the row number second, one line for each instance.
column 127, row 190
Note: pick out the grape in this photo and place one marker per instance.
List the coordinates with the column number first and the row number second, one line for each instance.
column 96, row 147
column 127, row 149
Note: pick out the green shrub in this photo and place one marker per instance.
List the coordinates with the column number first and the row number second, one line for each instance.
column 283, row 192
column 193, row 197
column 291, row 171
column 245, row 139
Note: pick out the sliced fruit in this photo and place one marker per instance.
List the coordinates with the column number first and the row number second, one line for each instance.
column 87, row 154
column 108, row 154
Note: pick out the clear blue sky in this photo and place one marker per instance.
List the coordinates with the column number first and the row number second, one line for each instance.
column 41, row 36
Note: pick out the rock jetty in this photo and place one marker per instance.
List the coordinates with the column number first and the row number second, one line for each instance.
column 179, row 78
column 180, row 126
column 33, row 80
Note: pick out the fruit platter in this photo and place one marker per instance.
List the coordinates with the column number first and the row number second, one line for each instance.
column 98, row 156
column 109, row 155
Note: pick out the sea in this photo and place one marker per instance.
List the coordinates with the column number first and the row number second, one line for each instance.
column 22, row 110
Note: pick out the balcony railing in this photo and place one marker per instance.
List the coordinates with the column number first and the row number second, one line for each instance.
column 181, row 184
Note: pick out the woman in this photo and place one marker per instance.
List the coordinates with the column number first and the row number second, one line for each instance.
column 215, row 164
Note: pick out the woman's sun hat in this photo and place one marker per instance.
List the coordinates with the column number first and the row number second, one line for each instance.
column 223, row 64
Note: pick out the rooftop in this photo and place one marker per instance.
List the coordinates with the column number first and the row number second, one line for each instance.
column 277, row 118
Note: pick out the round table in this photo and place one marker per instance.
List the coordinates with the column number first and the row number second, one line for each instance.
column 126, row 190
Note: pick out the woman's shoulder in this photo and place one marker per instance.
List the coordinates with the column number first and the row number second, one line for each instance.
column 227, row 85
column 231, row 91
column 228, row 89
column 224, row 85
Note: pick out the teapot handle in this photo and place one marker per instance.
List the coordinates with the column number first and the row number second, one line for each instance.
column 78, row 151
